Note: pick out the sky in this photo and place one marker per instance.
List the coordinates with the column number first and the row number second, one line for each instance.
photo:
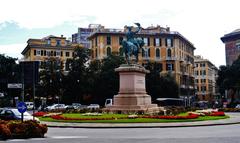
column 202, row 22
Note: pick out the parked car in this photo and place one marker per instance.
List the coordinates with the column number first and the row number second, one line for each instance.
column 93, row 106
column 55, row 107
column 14, row 114
column 238, row 106
column 29, row 105
column 1, row 94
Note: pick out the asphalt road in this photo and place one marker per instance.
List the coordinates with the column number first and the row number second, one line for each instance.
column 207, row 134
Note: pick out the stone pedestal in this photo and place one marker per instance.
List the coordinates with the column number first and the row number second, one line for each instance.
column 132, row 96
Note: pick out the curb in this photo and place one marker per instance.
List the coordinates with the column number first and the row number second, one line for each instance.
column 118, row 127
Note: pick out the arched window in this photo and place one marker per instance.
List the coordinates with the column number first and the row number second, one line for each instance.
column 143, row 52
column 96, row 54
column 157, row 53
column 109, row 51
column 121, row 51
column 169, row 53
column 148, row 53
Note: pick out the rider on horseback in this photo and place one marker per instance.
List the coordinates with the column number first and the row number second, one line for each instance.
column 132, row 45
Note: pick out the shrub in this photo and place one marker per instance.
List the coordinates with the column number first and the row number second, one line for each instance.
column 5, row 133
column 26, row 129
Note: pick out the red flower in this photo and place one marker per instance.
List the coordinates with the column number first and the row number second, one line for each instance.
column 39, row 114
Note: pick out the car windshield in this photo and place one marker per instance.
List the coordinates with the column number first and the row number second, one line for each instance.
column 17, row 113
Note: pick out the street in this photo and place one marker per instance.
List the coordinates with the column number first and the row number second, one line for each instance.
column 207, row 134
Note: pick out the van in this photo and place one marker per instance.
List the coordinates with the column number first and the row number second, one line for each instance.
column 29, row 105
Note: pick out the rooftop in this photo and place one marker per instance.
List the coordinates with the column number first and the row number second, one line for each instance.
column 234, row 35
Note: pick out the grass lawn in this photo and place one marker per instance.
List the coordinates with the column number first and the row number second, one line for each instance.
column 136, row 120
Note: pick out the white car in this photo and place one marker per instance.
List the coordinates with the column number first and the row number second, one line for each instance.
column 56, row 106
column 14, row 114
column 93, row 106
column 238, row 106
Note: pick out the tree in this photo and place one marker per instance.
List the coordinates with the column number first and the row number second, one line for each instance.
column 106, row 83
column 75, row 83
column 51, row 76
column 229, row 79
column 9, row 73
column 160, row 86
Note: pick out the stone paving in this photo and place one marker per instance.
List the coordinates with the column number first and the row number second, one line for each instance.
column 234, row 119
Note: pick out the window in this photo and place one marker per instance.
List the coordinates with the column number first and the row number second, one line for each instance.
column 157, row 53
column 170, row 67
column 238, row 45
column 48, row 53
column 121, row 51
column 145, row 40
column 169, row 53
column 54, row 53
column 48, row 42
column 58, row 53
column 58, row 42
column 120, row 40
column 196, row 72
column 157, row 42
column 67, row 54
column 149, row 52
column 72, row 54
column 202, row 65
column 96, row 54
column 61, row 53
column 169, row 42
column 108, row 40
column 203, row 80
column 41, row 52
column 204, row 72
column 109, row 51
column 145, row 52
column 44, row 53
column 34, row 52
column 96, row 41
column 38, row 53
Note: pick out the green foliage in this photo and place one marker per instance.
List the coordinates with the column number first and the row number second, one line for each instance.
column 106, row 80
column 51, row 76
column 229, row 78
column 9, row 73
column 160, row 86
column 76, row 80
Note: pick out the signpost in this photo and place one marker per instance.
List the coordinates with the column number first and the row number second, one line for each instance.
column 14, row 85
column 22, row 107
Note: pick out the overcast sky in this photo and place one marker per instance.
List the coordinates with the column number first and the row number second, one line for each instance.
column 202, row 22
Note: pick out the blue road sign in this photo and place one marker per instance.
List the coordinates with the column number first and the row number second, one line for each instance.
column 22, row 107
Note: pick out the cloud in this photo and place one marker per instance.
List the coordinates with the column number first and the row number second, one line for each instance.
column 13, row 50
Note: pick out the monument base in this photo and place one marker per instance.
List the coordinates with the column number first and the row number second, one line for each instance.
column 132, row 96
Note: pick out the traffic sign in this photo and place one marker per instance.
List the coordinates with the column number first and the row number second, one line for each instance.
column 14, row 85
column 22, row 107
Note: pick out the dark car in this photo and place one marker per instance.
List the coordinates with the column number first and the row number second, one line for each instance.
column 14, row 114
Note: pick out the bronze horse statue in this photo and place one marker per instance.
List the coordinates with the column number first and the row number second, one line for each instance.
column 131, row 45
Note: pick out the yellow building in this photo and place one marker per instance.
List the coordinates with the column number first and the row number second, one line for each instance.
column 173, row 52
column 49, row 47
column 205, row 80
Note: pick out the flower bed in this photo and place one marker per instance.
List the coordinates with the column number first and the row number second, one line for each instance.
column 190, row 116
column 60, row 117
column 18, row 129
column 39, row 114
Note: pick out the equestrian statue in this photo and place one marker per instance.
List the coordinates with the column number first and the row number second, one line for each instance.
column 132, row 45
